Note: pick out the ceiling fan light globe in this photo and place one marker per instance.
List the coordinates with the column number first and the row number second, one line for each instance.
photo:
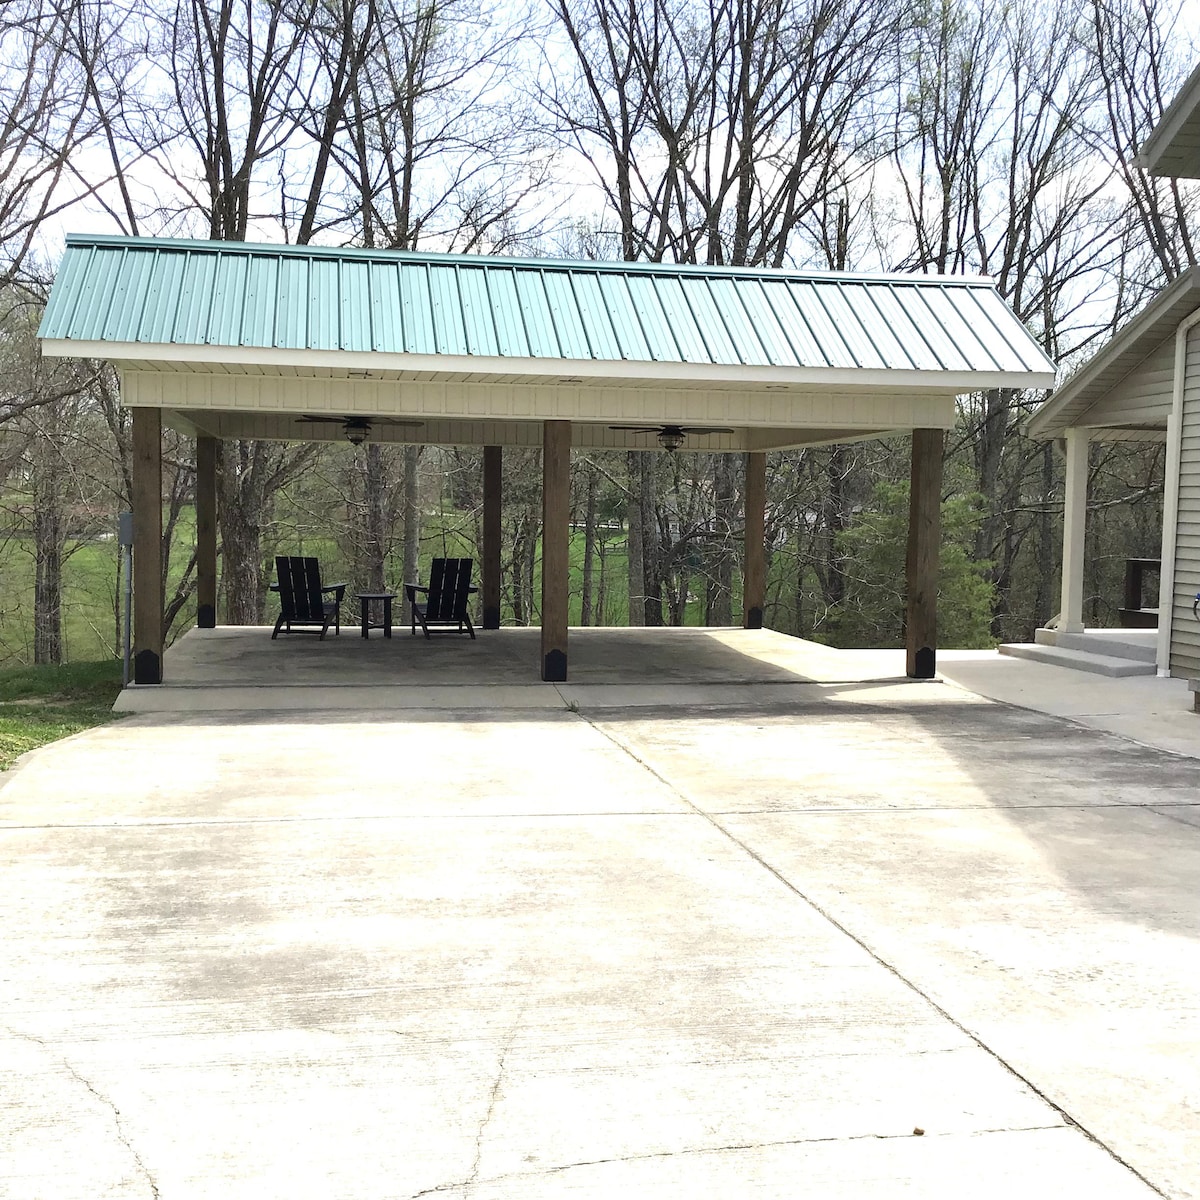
column 670, row 440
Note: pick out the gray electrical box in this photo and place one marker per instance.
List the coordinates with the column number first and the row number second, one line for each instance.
column 125, row 529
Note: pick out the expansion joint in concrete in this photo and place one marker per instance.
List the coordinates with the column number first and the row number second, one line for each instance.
column 865, row 946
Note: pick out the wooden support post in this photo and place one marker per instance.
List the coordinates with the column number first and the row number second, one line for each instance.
column 493, row 462
column 924, row 546
column 754, row 583
column 147, row 546
column 556, row 545
column 206, row 532
column 1074, row 526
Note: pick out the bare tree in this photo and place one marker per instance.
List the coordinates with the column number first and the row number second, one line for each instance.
column 1140, row 66
column 44, row 119
column 715, row 128
column 433, row 147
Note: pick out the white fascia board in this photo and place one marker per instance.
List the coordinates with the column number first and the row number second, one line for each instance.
column 1181, row 112
column 1069, row 404
column 553, row 370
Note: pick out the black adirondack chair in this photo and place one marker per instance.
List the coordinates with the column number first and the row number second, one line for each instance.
column 303, row 600
column 446, row 597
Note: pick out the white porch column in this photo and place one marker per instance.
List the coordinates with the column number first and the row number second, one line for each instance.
column 1166, row 573
column 1074, row 523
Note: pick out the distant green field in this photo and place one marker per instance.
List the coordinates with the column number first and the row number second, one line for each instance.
column 91, row 585
column 90, row 590
column 88, row 613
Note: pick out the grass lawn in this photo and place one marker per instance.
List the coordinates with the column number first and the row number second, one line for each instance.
column 42, row 704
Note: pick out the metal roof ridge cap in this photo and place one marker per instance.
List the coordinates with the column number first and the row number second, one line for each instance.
column 618, row 266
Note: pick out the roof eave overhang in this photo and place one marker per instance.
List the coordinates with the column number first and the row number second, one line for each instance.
column 1068, row 405
column 556, row 371
column 1173, row 146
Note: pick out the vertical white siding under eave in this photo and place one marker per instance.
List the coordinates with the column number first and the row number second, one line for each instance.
column 1185, row 628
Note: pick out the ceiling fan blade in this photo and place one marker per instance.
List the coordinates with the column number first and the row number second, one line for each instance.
column 636, row 428
column 703, row 430
column 359, row 420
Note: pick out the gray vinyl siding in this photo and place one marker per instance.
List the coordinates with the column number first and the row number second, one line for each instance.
column 1185, row 629
column 1143, row 396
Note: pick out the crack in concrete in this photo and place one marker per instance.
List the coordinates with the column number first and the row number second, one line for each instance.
column 122, row 1136
column 739, row 1147
column 441, row 1187
column 473, row 1178
column 875, row 955
column 1180, row 819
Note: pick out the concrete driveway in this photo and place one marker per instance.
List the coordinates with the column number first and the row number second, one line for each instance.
column 708, row 944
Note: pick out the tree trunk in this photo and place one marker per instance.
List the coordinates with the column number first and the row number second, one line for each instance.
column 835, row 521
column 601, row 552
column 241, row 533
column 636, row 558
column 48, row 537
column 651, row 549
column 376, row 539
column 249, row 476
column 520, row 611
column 529, row 564
column 720, row 601
column 589, row 545
column 412, row 520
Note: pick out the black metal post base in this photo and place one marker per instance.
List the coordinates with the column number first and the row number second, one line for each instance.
column 147, row 667
column 924, row 663
column 554, row 667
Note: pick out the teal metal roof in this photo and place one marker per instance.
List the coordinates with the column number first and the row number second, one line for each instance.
column 147, row 292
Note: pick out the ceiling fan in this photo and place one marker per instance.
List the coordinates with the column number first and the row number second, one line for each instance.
column 356, row 429
column 671, row 437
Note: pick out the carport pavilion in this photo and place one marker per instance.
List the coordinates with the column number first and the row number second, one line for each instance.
column 230, row 340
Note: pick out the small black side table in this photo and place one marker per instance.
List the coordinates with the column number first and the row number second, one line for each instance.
column 364, row 599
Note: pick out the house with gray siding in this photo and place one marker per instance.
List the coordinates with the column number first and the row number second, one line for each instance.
column 1144, row 385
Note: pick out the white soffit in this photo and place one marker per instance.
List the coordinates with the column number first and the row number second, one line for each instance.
column 1068, row 405
column 1173, row 147
column 291, row 398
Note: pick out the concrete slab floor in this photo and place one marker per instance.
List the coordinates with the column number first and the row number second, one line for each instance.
column 653, row 949
column 238, row 661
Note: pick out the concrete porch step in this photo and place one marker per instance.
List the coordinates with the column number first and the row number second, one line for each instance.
column 1113, row 666
column 1138, row 644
